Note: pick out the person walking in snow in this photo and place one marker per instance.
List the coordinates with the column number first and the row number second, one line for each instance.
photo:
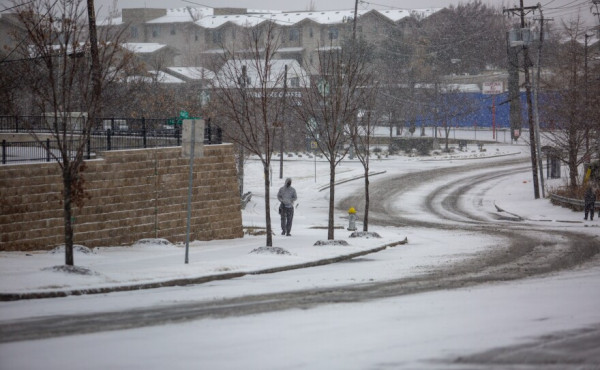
column 589, row 200
column 287, row 196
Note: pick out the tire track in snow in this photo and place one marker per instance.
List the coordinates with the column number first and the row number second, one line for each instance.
column 527, row 251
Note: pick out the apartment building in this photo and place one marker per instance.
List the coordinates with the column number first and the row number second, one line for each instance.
column 201, row 36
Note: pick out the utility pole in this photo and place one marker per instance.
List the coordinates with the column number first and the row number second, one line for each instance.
column 522, row 10
column 354, row 20
column 536, row 86
column 586, row 94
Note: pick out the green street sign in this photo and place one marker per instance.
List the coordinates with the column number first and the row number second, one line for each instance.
column 323, row 87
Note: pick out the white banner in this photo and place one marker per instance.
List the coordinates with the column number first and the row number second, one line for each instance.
column 494, row 87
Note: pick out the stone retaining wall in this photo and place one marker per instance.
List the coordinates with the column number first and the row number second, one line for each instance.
column 134, row 194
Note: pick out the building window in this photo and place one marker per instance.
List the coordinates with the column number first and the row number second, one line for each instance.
column 333, row 33
column 155, row 31
column 217, row 37
column 310, row 31
column 173, row 30
column 294, row 34
column 133, row 32
column 233, row 33
column 196, row 36
column 294, row 82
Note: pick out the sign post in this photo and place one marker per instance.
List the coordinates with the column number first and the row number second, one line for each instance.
column 493, row 88
column 192, row 147
column 190, row 186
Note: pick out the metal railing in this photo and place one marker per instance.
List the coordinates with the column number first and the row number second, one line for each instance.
column 574, row 204
column 106, row 134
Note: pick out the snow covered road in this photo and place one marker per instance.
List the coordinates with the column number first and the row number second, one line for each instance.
column 468, row 287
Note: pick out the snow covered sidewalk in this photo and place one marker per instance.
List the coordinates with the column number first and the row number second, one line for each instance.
column 153, row 263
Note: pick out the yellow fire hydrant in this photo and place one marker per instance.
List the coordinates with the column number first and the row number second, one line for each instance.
column 351, row 219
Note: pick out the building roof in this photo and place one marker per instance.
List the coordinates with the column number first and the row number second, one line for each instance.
column 183, row 15
column 166, row 78
column 143, row 47
column 291, row 18
column 193, row 73
column 291, row 49
column 284, row 18
column 205, row 17
column 111, row 21
column 397, row 14
column 231, row 71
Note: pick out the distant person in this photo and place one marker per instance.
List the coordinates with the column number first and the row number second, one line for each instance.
column 589, row 200
column 287, row 197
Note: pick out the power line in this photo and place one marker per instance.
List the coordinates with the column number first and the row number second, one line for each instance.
column 25, row 38
column 16, row 6
column 570, row 8
column 195, row 3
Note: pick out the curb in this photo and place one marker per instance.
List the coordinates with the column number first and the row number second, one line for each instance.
column 6, row 297
column 467, row 158
column 352, row 179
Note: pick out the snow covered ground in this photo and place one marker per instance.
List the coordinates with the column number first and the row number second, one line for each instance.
column 425, row 330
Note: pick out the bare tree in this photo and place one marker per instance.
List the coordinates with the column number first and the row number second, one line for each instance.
column 65, row 84
column 567, row 111
column 472, row 32
column 407, row 67
column 361, row 134
column 451, row 106
column 246, row 96
column 149, row 96
column 331, row 102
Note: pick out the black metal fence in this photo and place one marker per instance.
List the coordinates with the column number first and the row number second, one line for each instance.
column 106, row 134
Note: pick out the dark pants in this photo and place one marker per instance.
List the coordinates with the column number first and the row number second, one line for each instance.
column 589, row 208
column 287, row 215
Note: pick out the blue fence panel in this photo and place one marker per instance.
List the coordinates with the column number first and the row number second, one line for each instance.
column 482, row 112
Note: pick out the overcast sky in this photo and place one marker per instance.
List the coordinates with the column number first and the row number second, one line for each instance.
column 558, row 9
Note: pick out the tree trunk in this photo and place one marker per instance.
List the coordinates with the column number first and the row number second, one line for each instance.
column 330, row 230
column 96, row 74
column 366, row 216
column 532, row 142
column 268, row 205
column 447, row 132
column 573, row 155
column 240, row 168
column 68, row 215
column 390, row 115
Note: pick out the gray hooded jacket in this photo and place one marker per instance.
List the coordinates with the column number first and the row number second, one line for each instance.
column 287, row 194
